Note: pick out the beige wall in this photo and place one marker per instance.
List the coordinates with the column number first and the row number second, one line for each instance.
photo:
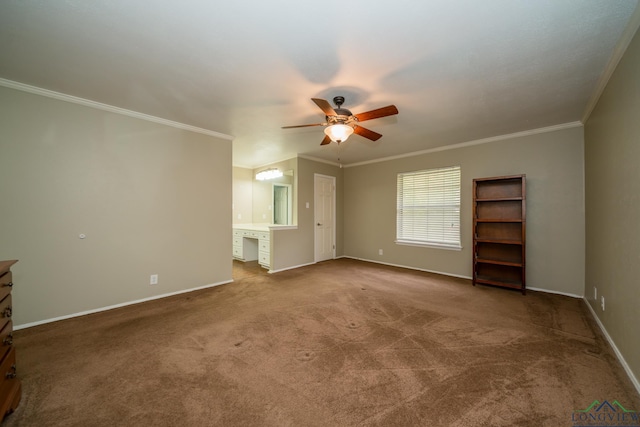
column 242, row 195
column 612, row 175
column 296, row 247
column 553, row 163
column 253, row 200
column 151, row 199
column 263, row 191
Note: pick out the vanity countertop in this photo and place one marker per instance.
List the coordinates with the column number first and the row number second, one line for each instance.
column 264, row 227
column 252, row 227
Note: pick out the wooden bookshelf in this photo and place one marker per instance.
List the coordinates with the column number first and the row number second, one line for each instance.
column 499, row 231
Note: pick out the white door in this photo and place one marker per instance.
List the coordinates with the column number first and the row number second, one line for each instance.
column 325, row 212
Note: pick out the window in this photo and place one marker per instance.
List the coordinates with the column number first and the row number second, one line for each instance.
column 429, row 208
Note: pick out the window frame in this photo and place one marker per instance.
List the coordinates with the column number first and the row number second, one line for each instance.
column 438, row 185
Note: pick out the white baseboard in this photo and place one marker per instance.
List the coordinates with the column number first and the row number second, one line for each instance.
column 458, row 276
column 549, row 291
column 407, row 267
column 290, row 268
column 110, row 307
column 623, row 362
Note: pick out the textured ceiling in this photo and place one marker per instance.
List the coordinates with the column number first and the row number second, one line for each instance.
column 457, row 70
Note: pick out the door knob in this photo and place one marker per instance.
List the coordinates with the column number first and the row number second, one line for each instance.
column 319, row 224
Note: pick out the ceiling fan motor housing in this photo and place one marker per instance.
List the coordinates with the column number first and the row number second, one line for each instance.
column 342, row 114
column 338, row 100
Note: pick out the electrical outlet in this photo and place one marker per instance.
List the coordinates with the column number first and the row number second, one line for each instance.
column 380, row 252
column 595, row 293
column 602, row 302
column 153, row 279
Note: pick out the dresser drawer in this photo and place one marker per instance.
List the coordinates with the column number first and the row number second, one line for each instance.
column 5, row 311
column 237, row 251
column 237, row 241
column 245, row 233
column 263, row 246
column 263, row 235
column 5, row 285
column 264, row 259
column 10, row 390
column 6, row 336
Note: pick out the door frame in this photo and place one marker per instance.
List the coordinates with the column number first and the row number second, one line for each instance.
column 333, row 216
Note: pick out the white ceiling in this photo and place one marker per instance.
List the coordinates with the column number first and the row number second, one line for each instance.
column 458, row 70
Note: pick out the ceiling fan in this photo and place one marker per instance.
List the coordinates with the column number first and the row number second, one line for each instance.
column 341, row 123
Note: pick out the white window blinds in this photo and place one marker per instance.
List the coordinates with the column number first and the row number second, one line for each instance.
column 429, row 207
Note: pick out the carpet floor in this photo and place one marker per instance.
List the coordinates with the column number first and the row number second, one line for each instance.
column 339, row 343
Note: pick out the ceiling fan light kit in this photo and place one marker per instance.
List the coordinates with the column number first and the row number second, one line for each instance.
column 271, row 173
column 338, row 132
column 341, row 123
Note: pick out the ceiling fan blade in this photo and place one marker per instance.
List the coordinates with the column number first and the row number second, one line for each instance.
column 325, row 106
column 389, row 110
column 326, row 140
column 303, row 126
column 369, row 134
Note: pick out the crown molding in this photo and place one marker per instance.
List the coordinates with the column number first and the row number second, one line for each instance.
column 621, row 47
column 237, row 165
column 316, row 159
column 110, row 108
column 554, row 128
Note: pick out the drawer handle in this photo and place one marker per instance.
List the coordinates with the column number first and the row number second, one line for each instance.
column 8, row 340
column 7, row 312
column 12, row 373
column 10, row 284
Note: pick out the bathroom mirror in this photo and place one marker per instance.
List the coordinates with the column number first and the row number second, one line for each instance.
column 274, row 200
column 282, row 204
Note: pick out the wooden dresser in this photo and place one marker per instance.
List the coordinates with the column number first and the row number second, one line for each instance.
column 10, row 387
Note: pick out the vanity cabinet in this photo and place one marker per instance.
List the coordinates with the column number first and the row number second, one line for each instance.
column 264, row 249
column 252, row 243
